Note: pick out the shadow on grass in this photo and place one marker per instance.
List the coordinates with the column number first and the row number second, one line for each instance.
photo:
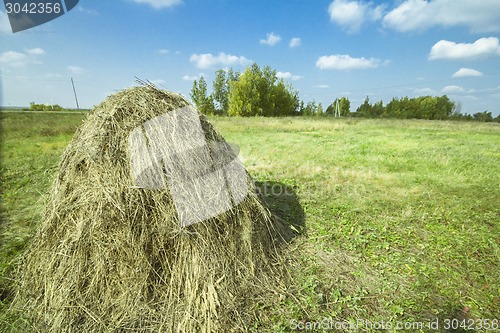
column 284, row 203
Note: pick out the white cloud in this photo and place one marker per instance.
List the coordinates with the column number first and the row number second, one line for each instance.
column 163, row 51
column 351, row 15
column 424, row 91
column 271, row 39
column 14, row 59
column 35, row 51
column 288, row 76
column 467, row 72
column 377, row 13
column 207, row 60
column 322, row 86
column 295, row 42
column 414, row 15
column 345, row 62
column 452, row 89
column 159, row 4
column 18, row 59
column 482, row 47
column 75, row 70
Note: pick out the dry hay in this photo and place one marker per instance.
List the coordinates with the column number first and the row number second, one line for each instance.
column 112, row 257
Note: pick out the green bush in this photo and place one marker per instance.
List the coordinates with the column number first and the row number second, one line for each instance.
column 45, row 107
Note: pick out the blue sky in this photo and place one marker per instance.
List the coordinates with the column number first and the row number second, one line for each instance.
column 325, row 48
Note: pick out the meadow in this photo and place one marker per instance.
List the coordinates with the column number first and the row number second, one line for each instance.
column 399, row 220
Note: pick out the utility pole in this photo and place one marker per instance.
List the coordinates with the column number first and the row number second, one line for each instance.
column 337, row 110
column 76, row 98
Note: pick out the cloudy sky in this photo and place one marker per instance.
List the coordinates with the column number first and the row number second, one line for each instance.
column 326, row 49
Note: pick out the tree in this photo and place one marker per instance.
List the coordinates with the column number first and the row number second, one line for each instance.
column 310, row 108
column 199, row 92
column 259, row 93
column 232, row 76
column 204, row 103
column 330, row 110
column 377, row 109
column 45, row 107
column 319, row 110
column 403, row 111
column 428, row 107
column 244, row 96
column 484, row 116
column 390, row 108
column 444, row 107
column 423, row 107
column 285, row 100
column 344, row 106
column 209, row 106
column 221, row 92
column 297, row 103
column 266, row 87
column 365, row 109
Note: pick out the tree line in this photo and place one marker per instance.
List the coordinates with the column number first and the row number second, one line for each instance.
column 259, row 92
column 44, row 107
column 423, row 107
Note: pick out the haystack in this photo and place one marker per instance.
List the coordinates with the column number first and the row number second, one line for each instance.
column 152, row 225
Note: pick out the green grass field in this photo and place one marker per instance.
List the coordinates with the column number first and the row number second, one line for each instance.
column 400, row 219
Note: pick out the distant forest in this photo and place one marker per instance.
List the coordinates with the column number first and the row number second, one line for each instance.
column 259, row 92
